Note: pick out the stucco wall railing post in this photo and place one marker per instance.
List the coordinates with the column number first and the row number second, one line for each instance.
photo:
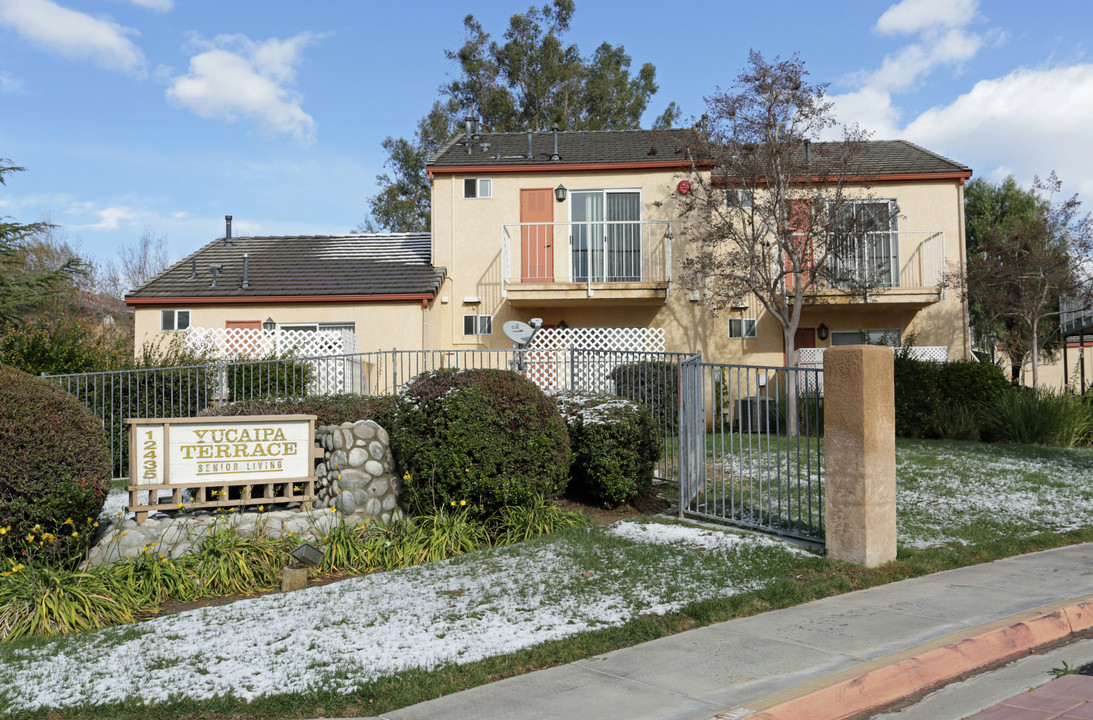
column 860, row 454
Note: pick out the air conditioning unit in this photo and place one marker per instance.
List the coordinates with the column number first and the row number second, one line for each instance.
column 756, row 414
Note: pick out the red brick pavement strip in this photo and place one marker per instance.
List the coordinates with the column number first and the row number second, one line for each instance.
column 890, row 683
column 1068, row 698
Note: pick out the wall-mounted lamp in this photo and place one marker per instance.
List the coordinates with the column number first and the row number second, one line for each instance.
column 268, row 325
column 562, row 324
column 822, row 332
column 560, row 193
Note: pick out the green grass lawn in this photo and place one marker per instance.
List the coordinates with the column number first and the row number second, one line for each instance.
column 552, row 600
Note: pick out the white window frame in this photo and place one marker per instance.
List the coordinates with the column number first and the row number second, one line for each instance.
column 482, row 325
column 873, row 335
column 738, row 199
column 174, row 313
column 483, row 188
column 745, row 328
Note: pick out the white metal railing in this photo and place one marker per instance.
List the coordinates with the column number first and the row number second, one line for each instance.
column 871, row 261
column 1075, row 315
column 592, row 253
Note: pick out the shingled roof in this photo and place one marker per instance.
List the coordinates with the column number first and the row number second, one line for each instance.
column 650, row 147
column 396, row 264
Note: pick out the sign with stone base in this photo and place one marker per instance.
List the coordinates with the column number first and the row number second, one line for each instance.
column 221, row 462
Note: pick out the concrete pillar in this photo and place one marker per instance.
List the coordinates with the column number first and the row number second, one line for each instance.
column 860, row 454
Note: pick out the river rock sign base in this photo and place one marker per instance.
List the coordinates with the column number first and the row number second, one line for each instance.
column 355, row 484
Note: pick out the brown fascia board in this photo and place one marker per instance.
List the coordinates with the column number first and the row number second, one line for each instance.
column 960, row 175
column 425, row 298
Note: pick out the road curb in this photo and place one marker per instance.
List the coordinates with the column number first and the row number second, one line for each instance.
column 889, row 680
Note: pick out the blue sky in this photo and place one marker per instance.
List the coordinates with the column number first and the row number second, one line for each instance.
column 169, row 114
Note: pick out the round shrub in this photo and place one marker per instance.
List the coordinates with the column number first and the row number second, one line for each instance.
column 54, row 464
column 615, row 444
column 489, row 437
column 328, row 409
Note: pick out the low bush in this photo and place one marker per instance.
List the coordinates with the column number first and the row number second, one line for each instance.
column 487, row 437
column 615, row 443
column 329, row 409
column 270, row 377
column 654, row 384
column 54, row 466
column 232, row 564
column 68, row 343
column 541, row 517
column 942, row 400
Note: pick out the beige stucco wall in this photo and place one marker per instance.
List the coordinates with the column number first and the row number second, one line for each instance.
column 379, row 326
column 467, row 240
column 1052, row 374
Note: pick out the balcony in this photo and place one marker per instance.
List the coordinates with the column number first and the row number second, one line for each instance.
column 566, row 263
column 871, row 261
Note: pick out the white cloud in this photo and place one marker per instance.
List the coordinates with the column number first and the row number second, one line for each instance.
column 157, row 5
column 110, row 218
column 73, row 35
column 10, row 83
column 1034, row 121
column 234, row 76
column 914, row 16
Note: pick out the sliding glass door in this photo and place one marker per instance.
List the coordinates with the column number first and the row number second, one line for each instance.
column 606, row 238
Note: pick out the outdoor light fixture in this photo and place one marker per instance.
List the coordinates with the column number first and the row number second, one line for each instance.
column 268, row 325
column 308, row 555
column 822, row 332
column 562, row 325
column 559, row 193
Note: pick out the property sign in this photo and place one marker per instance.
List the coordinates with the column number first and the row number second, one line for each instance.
column 188, row 451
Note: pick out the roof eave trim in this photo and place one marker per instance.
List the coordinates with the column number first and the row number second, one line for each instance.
column 275, row 299
column 560, row 167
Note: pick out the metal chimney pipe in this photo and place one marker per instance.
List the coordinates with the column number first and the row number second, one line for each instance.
column 531, row 151
column 468, row 126
column 246, row 271
column 228, row 230
column 193, row 269
column 808, row 152
column 215, row 270
column 555, row 155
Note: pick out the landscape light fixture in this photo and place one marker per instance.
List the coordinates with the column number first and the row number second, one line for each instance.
column 560, row 193
column 268, row 325
column 308, row 555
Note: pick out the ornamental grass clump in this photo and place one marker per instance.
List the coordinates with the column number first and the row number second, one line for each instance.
column 155, row 577
column 490, row 437
column 232, row 564
column 542, row 517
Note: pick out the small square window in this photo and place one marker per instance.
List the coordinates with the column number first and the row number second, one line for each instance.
column 477, row 325
column 742, row 327
column 477, row 188
column 174, row 320
column 738, row 199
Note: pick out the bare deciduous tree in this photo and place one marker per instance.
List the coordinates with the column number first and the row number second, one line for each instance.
column 782, row 217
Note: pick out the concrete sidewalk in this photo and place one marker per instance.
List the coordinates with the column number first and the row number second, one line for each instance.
column 832, row 658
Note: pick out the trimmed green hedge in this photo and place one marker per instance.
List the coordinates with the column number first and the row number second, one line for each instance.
column 935, row 400
column 54, row 465
column 616, row 445
column 328, row 409
column 489, row 437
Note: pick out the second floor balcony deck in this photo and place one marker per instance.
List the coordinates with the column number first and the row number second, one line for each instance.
column 563, row 263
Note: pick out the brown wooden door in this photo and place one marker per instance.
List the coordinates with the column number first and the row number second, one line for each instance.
column 537, row 241
column 803, row 338
column 243, row 344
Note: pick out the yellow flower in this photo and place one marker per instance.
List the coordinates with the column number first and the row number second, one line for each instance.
column 462, row 503
column 181, row 505
column 48, row 537
column 37, row 528
column 95, row 525
column 75, row 534
column 453, row 503
column 124, row 534
column 261, row 508
column 4, row 531
column 162, row 556
column 406, row 476
column 30, row 538
column 333, row 509
column 67, row 522
column 297, row 488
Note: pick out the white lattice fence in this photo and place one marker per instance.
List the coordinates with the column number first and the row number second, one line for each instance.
column 814, row 358
column 548, row 357
column 256, row 343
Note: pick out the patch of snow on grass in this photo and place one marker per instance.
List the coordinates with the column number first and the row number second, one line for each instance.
column 663, row 534
column 349, row 633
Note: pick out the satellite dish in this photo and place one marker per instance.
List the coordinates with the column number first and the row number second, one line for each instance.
column 519, row 332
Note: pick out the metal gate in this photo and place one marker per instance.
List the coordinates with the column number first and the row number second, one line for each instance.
column 751, row 447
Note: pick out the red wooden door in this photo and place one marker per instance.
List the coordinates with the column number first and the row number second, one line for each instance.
column 246, row 341
column 537, row 241
column 803, row 338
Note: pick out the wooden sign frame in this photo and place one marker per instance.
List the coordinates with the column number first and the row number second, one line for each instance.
column 150, row 469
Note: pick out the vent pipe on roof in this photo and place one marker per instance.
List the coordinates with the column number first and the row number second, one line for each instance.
column 246, row 271
column 193, row 269
column 531, row 152
column 468, row 130
column 476, row 130
column 554, row 155
column 228, row 231
column 215, row 270
column 808, row 152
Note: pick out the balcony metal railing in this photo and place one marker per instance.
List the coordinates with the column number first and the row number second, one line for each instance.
column 871, row 260
column 591, row 253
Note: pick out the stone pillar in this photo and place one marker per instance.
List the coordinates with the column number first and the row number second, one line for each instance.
column 860, row 454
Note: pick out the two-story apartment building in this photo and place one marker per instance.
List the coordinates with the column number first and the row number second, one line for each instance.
column 584, row 229
column 581, row 229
